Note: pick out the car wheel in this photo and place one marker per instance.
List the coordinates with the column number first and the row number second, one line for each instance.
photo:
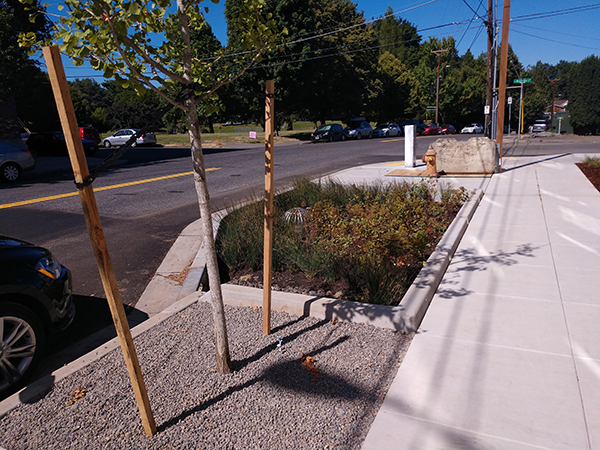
column 387, row 134
column 10, row 172
column 330, row 139
column 21, row 340
column 358, row 135
column 106, row 144
column 370, row 135
column 343, row 137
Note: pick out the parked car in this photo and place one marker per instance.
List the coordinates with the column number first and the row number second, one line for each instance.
column 15, row 159
column 540, row 125
column 54, row 144
column 447, row 129
column 431, row 129
column 328, row 133
column 418, row 126
column 386, row 130
column 35, row 303
column 473, row 128
column 90, row 134
column 358, row 130
column 122, row 136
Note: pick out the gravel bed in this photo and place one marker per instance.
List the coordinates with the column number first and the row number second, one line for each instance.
column 271, row 401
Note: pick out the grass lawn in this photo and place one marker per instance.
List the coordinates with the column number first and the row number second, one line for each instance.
column 240, row 133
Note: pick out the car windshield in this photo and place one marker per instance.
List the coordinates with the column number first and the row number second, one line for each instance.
column 383, row 125
column 354, row 125
column 324, row 128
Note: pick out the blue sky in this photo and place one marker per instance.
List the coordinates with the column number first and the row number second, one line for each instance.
column 541, row 30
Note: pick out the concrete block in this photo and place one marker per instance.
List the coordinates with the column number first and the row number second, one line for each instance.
column 477, row 155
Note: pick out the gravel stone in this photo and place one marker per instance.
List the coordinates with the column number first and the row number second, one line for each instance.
column 270, row 401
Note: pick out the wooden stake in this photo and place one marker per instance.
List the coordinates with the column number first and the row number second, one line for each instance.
column 502, row 85
column 92, row 218
column 268, row 247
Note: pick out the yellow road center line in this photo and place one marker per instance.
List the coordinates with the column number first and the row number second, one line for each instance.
column 105, row 188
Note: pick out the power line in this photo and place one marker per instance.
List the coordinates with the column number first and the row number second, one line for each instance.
column 469, row 6
column 481, row 28
column 559, row 32
column 558, row 12
column 266, row 66
column 554, row 40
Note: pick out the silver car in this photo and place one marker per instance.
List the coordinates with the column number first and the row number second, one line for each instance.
column 15, row 159
column 386, row 130
column 358, row 130
column 122, row 136
column 473, row 128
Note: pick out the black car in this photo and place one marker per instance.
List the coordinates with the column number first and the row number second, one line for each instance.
column 54, row 144
column 419, row 127
column 35, row 303
column 328, row 133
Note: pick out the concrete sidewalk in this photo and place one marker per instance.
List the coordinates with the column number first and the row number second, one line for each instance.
column 508, row 355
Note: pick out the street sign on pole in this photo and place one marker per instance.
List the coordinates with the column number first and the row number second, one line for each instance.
column 521, row 80
column 510, row 100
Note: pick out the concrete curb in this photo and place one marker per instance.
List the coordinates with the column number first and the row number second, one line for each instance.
column 418, row 297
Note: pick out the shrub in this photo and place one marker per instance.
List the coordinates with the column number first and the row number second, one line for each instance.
column 593, row 161
column 375, row 237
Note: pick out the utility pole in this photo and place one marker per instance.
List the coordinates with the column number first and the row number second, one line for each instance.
column 503, row 65
column 437, row 92
column 490, row 68
column 552, row 105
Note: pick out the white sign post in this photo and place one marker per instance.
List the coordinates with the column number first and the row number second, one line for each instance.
column 509, row 113
column 410, row 146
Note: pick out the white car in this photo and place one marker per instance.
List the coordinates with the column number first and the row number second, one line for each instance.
column 387, row 129
column 122, row 136
column 15, row 158
column 473, row 128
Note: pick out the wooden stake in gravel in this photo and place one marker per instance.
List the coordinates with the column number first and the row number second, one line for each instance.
column 92, row 219
column 268, row 244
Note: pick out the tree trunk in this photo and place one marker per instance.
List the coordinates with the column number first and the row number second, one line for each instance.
column 223, row 359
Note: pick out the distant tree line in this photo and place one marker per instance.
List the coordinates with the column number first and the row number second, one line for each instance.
column 382, row 70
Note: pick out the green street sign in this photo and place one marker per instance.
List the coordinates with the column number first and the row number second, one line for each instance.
column 521, row 80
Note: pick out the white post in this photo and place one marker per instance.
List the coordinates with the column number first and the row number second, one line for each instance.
column 410, row 146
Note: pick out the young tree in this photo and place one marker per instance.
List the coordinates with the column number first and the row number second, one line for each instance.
column 143, row 45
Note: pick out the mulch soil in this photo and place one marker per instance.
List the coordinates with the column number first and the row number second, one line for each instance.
column 592, row 173
column 295, row 282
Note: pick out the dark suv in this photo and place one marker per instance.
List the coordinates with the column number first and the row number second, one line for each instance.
column 35, row 303
column 53, row 144
column 419, row 127
column 328, row 133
